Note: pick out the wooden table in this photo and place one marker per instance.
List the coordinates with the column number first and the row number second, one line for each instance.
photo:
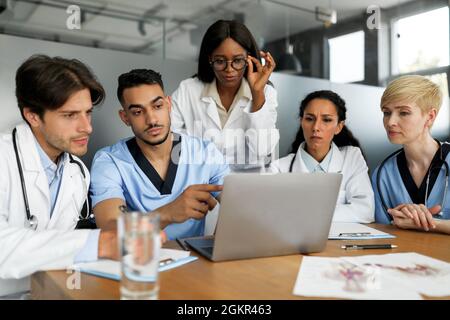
column 263, row 278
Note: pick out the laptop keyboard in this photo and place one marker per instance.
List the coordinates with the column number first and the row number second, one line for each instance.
column 205, row 245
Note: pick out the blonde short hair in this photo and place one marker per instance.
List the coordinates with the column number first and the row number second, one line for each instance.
column 413, row 89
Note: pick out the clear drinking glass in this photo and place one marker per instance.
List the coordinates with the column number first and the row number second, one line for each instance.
column 140, row 243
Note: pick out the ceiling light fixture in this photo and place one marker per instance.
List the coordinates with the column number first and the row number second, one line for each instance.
column 326, row 15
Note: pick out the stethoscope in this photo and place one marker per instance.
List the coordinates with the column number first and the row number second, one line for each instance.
column 32, row 221
column 292, row 163
column 432, row 167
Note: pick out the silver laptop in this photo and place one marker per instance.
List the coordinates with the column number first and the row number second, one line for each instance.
column 269, row 215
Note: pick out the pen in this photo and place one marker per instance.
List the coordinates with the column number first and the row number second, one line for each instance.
column 368, row 246
column 181, row 244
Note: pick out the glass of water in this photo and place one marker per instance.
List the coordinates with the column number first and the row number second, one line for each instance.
column 140, row 244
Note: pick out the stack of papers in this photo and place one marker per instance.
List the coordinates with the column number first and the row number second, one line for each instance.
column 388, row 276
column 355, row 231
column 169, row 259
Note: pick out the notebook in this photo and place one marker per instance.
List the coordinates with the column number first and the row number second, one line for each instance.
column 110, row 269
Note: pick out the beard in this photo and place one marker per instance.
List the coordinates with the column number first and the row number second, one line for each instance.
column 63, row 144
column 155, row 142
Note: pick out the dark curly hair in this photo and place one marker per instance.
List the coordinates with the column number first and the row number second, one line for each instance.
column 46, row 83
column 135, row 78
column 345, row 137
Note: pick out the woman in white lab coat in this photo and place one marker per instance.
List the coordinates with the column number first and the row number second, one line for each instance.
column 324, row 144
column 230, row 101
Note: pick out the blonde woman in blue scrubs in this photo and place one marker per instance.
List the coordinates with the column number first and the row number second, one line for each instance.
column 412, row 181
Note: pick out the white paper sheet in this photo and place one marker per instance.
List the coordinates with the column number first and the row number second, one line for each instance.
column 355, row 231
column 389, row 276
column 418, row 272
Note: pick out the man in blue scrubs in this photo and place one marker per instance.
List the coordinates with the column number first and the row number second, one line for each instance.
column 157, row 170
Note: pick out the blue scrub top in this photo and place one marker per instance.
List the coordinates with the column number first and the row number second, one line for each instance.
column 116, row 174
column 395, row 192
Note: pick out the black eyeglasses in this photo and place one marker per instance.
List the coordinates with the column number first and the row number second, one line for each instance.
column 221, row 64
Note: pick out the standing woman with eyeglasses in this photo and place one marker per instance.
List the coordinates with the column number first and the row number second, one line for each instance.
column 230, row 100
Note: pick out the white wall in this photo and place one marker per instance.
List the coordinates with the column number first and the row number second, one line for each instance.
column 107, row 66
column 363, row 117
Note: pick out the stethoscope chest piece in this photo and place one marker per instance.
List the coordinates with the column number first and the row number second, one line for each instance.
column 32, row 222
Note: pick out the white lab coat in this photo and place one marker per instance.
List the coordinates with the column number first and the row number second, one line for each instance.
column 55, row 242
column 245, row 132
column 356, row 200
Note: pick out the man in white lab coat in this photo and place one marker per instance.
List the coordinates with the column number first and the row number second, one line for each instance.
column 43, row 185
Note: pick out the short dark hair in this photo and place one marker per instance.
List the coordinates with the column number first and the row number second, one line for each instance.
column 135, row 78
column 44, row 83
column 345, row 137
column 218, row 32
